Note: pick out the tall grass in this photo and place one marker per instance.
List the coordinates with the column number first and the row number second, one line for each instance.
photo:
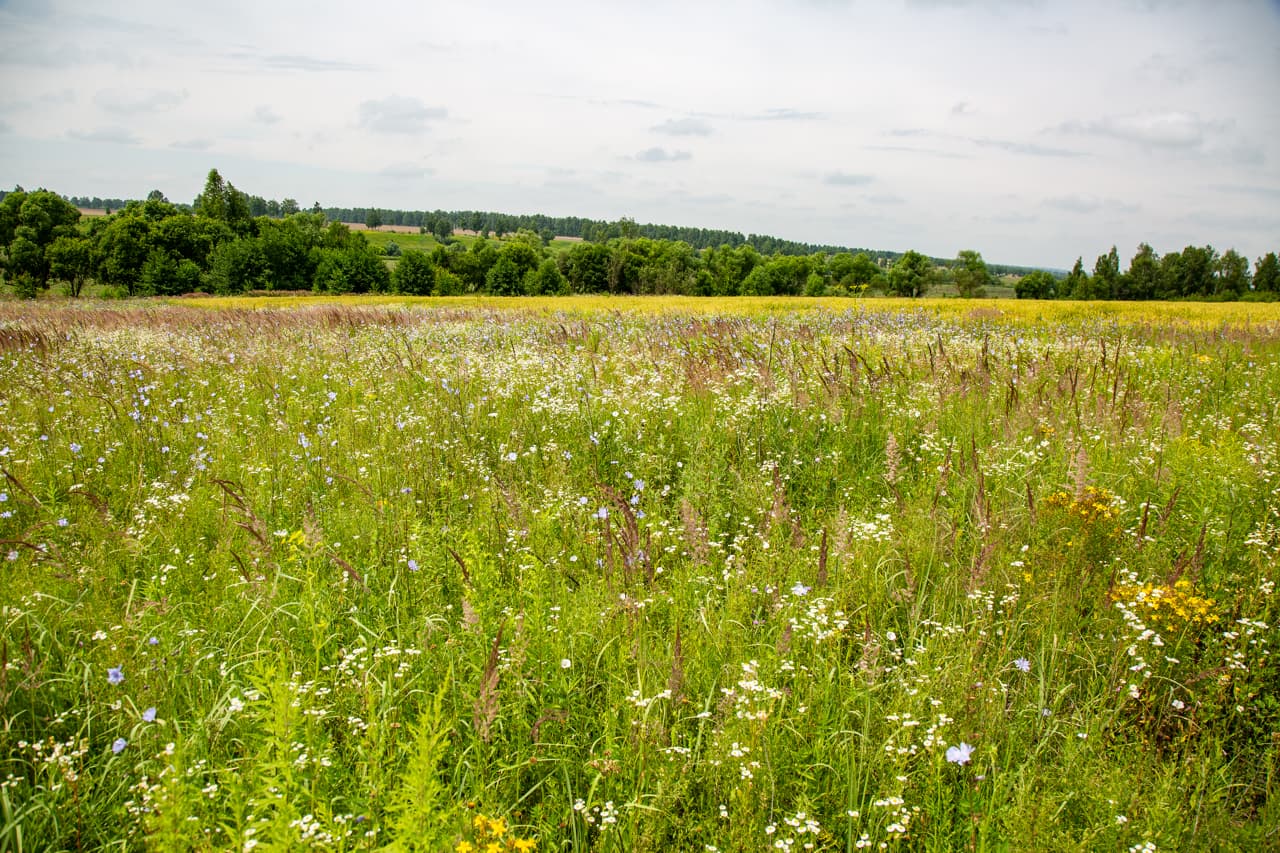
column 595, row 576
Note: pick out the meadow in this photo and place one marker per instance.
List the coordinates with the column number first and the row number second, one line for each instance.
column 483, row 575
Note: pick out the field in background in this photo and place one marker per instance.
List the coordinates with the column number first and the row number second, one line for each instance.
column 630, row 574
column 997, row 311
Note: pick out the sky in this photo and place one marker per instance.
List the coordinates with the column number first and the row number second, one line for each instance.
column 1033, row 132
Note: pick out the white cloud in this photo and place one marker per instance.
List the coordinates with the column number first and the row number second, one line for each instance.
column 683, row 127
column 399, row 114
column 843, row 179
column 662, row 155
column 111, row 135
column 135, row 101
column 264, row 114
column 1184, row 130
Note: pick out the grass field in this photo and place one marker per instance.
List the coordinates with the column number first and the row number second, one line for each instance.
column 626, row 575
column 427, row 242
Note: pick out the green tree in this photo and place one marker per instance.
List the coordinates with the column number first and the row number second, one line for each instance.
column 23, row 267
column 911, row 274
column 212, row 203
column 1231, row 272
column 1189, row 272
column 287, row 246
column 504, row 278
column 852, row 272
column 414, row 274
column 1142, row 280
column 1266, row 273
column 71, row 260
column 730, row 266
column 1076, row 284
column 546, row 280
column 237, row 266
column 587, row 268
column 373, row 219
column 121, row 248
column 525, row 251
column 29, row 224
column 971, row 274
column 759, row 282
column 222, row 202
column 165, row 275
column 10, row 206
column 1037, row 284
column 1105, row 279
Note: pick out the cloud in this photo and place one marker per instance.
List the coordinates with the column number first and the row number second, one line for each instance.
column 962, row 108
column 398, row 114
column 1171, row 130
column 683, row 127
column 985, row 5
column 1249, row 189
column 1008, row 219
column 634, row 102
column 930, row 152
column 843, row 179
column 137, row 101
column 1164, row 68
column 265, row 115
column 192, row 144
column 1013, row 147
column 1234, row 222
column 1029, row 148
column 1242, row 155
column 405, row 171
column 1089, row 204
column 662, row 155
column 5, row 127
column 886, row 199
column 64, row 96
column 110, row 135
column 295, row 62
column 785, row 114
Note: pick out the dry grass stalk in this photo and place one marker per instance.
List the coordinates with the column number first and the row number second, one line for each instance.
column 1080, row 472
column 821, row 579
column 470, row 618
column 348, row 570
column 695, row 532
column 675, row 681
column 626, row 536
column 485, row 711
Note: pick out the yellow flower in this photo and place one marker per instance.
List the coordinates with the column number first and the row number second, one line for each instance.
column 479, row 822
column 493, row 847
column 525, row 845
column 464, row 847
column 498, row 827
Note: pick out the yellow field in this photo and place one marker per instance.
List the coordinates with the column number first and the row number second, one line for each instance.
column 1006, row 311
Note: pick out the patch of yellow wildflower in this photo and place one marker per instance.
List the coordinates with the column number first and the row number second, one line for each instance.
column 492, row 836
column 1093, row 505
column 1169, row 607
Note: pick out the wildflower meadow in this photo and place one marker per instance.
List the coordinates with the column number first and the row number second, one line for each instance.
column 630, row 575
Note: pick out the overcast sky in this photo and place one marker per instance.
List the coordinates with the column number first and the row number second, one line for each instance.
column 1031, row 131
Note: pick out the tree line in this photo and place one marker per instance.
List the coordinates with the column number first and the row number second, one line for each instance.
column 223, row 243
column 1196, row 272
